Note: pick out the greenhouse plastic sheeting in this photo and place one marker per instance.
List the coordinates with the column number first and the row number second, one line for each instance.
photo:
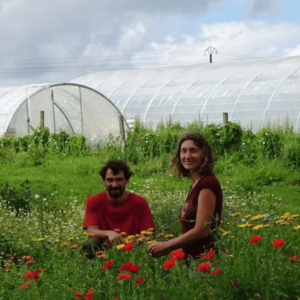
column 71, row 107
column 254, row 93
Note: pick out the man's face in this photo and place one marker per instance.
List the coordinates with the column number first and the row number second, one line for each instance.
column 115, row 183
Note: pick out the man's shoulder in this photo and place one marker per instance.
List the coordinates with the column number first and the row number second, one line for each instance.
column 97, row 197
column 137, row 198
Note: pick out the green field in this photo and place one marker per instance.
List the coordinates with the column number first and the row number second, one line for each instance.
column 43, row 190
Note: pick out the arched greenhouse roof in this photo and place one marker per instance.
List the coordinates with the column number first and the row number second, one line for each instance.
column 75, row 108
column 254, row 93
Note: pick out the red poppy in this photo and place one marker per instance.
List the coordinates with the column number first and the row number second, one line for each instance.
column 209, row 255
column 131, row 267
column 139, row 280
column 255, row 239
column 32, row 275
column 204, row 266
column 178, row 254
column 89, row 295
column 126, row 266
column 128, row 247
column 168, row 264
column 294, row 258
column 124, row 276
column 278, row 243
column 24, row 285
column 77, row 294
column 234, row 283
column 215, row 272
column 108, row 264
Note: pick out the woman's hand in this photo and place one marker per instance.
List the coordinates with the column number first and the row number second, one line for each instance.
column 158, row 249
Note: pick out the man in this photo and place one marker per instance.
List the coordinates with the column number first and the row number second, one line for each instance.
column 116, row 210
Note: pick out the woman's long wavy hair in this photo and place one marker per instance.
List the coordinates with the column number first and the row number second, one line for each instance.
column 208, row 156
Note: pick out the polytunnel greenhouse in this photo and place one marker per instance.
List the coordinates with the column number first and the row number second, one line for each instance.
column 255, row 93
column 74, row 108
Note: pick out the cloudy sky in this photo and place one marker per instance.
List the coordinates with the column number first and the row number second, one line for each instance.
column 58, row 40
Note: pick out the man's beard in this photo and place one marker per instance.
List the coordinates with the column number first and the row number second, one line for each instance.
column 116, row 192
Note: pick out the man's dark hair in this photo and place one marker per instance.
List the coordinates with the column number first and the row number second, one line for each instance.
column 116, row 165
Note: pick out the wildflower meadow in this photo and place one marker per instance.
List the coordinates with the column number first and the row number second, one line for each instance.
column 42, row 196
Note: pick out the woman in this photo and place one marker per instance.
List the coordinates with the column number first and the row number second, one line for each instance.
column 202, row 211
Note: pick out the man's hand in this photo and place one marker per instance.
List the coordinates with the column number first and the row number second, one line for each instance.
column 111, row 235
column 114, row 237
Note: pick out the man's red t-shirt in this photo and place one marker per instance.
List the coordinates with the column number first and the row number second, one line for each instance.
column 131, row 216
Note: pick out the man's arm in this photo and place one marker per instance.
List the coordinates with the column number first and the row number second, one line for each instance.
column 146, row 221
column 105, row 234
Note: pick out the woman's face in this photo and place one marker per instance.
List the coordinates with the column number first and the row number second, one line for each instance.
column 191, row 156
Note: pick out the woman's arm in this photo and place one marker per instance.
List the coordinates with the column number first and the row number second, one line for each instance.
column 205, row 211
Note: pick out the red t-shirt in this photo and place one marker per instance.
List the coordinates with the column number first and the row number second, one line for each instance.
column 131, row 216
column 188, row 214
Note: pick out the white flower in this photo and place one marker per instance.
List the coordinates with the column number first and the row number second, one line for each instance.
column 36, row 196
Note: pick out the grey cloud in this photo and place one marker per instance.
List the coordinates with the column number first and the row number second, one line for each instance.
column 257, row 7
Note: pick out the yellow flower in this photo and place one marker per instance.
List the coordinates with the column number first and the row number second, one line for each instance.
column 140, row 240
column 236, row 214
column 131, row 237
column 294, row 216
column 90, row 234
column 267, row 225
column 226, row 232
column 117, row 230
column 232, row 237
column 148, row 233
column 56, row 241
column 119, row 247
column 70, row 239
column 143, row 232
column 248, row 216
column 246, row 225
column 296, row 227
column 79, row 255
column 65, row 244
column 40, row 239
column 126, row 241
column 123, row 233
column 160, row 234
column 257, row 227
column 230, row 255
column 151, row 242
column 169, row 235
column 102, row 255
column 285, row 216
column 255, row 218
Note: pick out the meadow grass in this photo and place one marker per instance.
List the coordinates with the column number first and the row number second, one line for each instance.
column 41, row 222
column 59, row 187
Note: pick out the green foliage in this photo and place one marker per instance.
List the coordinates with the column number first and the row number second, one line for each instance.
column 16, row 198
column 269, row 142
column 291, row 150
